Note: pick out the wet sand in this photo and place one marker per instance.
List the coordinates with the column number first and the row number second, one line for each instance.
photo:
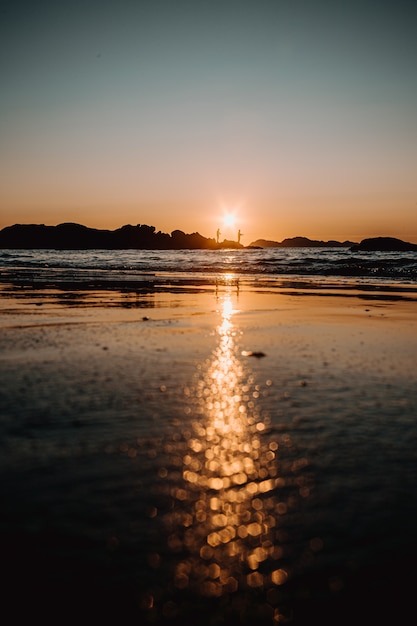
column 224, row 453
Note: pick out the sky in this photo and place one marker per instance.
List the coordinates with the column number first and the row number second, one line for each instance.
column 295, row 117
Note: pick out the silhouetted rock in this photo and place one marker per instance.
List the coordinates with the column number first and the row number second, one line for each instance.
column 61, row 237
column 194, row 241
column 300, row 242
column 384, row 244
column 69, row 236
column 140, row 237
column 227, row 243
column 264, row 243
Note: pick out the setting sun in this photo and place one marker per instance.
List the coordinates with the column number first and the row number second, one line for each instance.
column 229, row 220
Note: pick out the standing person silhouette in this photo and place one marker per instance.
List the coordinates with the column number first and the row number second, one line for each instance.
column 239, row 235
column 218, row 235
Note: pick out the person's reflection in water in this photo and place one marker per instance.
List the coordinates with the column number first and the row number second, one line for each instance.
column 228, row 552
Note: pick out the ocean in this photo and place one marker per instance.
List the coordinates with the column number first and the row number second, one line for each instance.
column 337, row 263
column 208, row 437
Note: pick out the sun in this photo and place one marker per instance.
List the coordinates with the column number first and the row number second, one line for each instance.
column 229, row 220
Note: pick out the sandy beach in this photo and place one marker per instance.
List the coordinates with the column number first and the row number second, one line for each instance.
column 215, row 454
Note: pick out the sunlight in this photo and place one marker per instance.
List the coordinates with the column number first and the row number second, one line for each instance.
column 226, row 468
column 229, row 220
column 225, row 532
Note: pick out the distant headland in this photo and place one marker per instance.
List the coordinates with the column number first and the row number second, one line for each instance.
column 384, row 244
column 71, row 236
column 301, row 242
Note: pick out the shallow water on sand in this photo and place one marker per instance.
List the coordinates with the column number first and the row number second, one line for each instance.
column 213, row 456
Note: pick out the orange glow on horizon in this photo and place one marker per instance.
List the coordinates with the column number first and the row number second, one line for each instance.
column 320, row 218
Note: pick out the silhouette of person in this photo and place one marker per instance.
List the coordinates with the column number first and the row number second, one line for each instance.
column 239, row 234
column 218, row 235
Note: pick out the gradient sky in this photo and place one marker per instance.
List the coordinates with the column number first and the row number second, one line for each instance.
column 299, row 116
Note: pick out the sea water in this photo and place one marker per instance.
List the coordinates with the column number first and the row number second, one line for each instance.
column 321, row 262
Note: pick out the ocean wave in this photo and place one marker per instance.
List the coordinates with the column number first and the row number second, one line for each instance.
column 328, row 262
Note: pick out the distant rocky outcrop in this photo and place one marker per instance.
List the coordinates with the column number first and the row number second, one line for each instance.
column 264, row 243
column 300, row 242
column 195, row 241
column 383, row 244
column 70, row 236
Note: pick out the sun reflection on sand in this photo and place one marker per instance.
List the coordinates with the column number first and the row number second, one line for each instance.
column 228, row 496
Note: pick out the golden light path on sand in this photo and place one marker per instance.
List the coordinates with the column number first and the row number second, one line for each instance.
column 232, row 471
column 228, row 495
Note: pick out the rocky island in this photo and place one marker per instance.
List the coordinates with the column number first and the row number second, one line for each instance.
column 71, row 236
column 384, row 244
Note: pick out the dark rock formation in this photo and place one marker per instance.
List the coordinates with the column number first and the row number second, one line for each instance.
column 227, row 243
column 193, row 241
column 384, row 244
column 71, row 236
column 300, row 242
column 304, row 242
column 264, row 243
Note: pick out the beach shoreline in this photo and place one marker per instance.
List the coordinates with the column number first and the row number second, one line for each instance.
column 111, row 401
